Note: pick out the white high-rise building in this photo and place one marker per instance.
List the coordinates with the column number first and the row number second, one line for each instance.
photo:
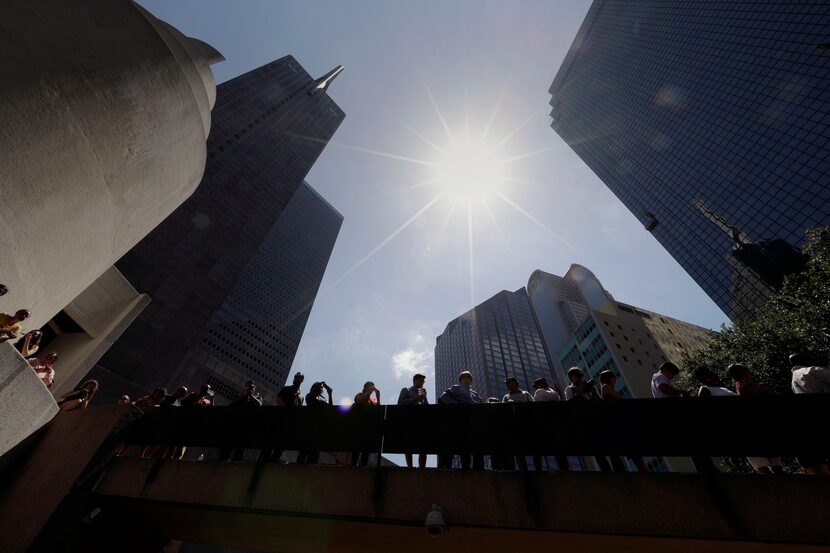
column 584, row 326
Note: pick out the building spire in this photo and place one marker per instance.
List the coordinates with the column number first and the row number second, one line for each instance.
column 322, row 84
column 737, row 235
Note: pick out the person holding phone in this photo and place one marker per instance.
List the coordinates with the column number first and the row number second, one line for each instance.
column 415, row 395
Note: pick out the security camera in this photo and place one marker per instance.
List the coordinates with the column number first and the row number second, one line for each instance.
column 435, row 522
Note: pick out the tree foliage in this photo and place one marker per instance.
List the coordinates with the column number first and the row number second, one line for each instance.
column 794, row 320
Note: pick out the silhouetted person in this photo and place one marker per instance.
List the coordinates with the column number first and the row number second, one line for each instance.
column 808, row 379
column 202, row 398
column 711, row 384
column 415, row 395
column 579, row 388
column 745, row 385
column 545, row 393
column 608, row 391
column 288, row 396
column 248, row 399
column 175, row 399
column 78, row 398
column 461, row 393
column 314, row 400
column 661, row 382
column 362, row 400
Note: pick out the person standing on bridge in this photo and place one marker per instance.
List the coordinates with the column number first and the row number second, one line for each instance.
column 608, row 391
column 808, row 379
column 545, row 393
column 661, row 382
column 581, row 390
column 662, row 388
column 288, row 396
column 364, row 398
column 745, row 385
column 248, row 399
column 415, row 395
column 516, row 395
column 314, row 400
column 464, row 394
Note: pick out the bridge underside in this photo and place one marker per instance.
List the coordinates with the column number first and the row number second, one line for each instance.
column 305, row 509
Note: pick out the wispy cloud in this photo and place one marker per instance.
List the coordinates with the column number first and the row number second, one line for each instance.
column 413, row 359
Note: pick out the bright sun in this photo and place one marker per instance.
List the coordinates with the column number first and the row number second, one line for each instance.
column 468, row 171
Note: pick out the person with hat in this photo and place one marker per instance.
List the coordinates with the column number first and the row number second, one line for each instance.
column 415, row 395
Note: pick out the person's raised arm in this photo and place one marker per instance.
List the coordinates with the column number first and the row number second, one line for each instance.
column 328, row 391
column 377, row 394
column 447, row 397
column 28, row 348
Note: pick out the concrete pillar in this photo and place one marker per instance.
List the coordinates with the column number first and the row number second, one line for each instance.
column 105, row 114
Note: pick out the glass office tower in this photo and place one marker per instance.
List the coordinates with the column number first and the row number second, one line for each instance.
column 709, row 121
column 269, row 127
column 496, row 339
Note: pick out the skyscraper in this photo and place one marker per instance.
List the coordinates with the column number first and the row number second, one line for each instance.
column 583, row 326
column 256, row 332
column 680, row 105
column 269, row 127
column 495, row 339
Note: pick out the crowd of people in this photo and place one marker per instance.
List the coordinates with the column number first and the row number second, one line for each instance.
column 806, row 379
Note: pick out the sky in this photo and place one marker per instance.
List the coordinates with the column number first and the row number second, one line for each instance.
column 434, row 90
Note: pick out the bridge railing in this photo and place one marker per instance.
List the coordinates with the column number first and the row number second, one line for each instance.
column 721, row 426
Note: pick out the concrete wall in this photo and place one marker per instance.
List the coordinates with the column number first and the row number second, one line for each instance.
column 105, row 114
column 25, row 402
column 30, row 496
column 290, row 508
column 104, row 310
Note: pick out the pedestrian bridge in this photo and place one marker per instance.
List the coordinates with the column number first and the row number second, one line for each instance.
column 78, row 495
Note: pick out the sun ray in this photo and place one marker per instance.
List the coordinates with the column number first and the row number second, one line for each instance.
column 470, row 249
column 437, row 110
column 496, row 225
column 531, row 154
column 364, row 150
column 426, row 140
column 506, row 138
column 386, row 240
column 421, row 184
column 541, row 225
column 495, row 112
column 526, row 181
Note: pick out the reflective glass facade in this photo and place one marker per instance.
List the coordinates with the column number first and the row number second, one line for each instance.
column 257, row 331
column 496, row 339
column 267, row 131
column 709, row 121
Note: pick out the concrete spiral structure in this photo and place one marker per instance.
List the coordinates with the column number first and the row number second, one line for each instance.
column 105, row 111
column 104, row 115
